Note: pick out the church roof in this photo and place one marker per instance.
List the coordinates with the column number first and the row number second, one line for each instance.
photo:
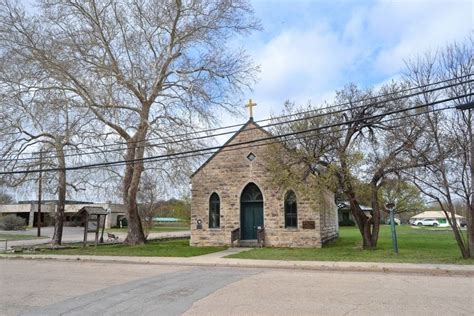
column 250, row 121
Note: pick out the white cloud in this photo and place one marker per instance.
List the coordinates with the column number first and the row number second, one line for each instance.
column 300, row 65
column 301, row 56
column 407, row 29
column 308, row 61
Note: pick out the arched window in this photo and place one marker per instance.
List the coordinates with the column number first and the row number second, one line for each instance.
column 214, row 211
column 291, row 211
column 251, row 193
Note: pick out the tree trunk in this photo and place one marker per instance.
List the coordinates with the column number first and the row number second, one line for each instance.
column 451, row 217
column 363, row 222
column 361, row 219
column 59, row 218
column 135, row 234
column 131, row 183
column 376, row 212
column 470, row 201
column 457, row 234
column 470, row 224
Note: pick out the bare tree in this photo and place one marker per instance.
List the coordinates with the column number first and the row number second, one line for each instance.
column 33, row 120
column 449, row 174
column 5, row 198
column 369, row 138
column 148, row 198
column 142, row 67
column 436, row 179
column 458, row 62
column 407, row 198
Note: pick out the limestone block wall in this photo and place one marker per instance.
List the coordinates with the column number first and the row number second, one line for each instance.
column 227, row 174
column 329, row 219
column 279, row 236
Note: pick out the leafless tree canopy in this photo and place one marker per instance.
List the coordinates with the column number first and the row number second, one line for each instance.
column 376, row 137
column 143, row 68
column 450, row 174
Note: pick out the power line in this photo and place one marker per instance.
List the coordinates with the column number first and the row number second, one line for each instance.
column 268, row 125
column 201, row 152
column 279, row 141
column 334, row 106
column 209, row 152
column 120, row 162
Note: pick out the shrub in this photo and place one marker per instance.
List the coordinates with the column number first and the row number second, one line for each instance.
column 347, row 222
column 12, row 222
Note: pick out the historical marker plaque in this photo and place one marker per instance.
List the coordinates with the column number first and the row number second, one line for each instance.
column 309, row 225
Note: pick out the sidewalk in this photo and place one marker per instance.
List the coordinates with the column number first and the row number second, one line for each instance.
column 217, row 260
column 76, row 234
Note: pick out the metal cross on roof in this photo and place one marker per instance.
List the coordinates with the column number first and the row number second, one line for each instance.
column 250, row 106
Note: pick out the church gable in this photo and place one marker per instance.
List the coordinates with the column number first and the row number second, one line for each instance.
column 241, row 142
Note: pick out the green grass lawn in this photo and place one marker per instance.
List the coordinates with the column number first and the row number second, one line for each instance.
column 18, row 237
column 165, row 248
column 415, row 245
column 156, row 229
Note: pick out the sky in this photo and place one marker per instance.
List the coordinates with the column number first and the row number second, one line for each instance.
column 309, row 49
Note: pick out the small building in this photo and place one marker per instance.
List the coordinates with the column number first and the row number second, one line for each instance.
column 344, row 213
column 439, row 216
column 233, row 193
column 93, row 218
column 29, row 211
column 116, row 212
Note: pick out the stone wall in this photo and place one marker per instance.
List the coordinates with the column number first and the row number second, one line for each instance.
column 329, row 219
column 228, row 173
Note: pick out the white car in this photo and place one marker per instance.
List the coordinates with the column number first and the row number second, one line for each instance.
column 426, row 222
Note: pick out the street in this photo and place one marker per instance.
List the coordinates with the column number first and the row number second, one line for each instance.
column 51, row 287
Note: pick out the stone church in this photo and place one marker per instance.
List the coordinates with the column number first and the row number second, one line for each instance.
column 233, row 196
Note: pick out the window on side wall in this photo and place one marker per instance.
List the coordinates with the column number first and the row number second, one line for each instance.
column 291, row 211
column 214, row 211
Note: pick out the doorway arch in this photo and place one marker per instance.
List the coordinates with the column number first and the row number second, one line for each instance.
column 251, row 211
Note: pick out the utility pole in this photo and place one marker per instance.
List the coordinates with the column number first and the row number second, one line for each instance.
column 470, row 212
column 40, row 193
column 391, row 208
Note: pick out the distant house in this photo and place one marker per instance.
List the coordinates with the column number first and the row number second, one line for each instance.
column 344, row 213
column 29, row 211
column 437, row 215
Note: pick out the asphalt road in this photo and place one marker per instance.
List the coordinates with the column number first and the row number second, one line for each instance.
column 42, row 287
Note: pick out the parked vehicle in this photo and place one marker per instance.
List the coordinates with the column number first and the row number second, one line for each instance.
column 426, row 222
column 463, row 223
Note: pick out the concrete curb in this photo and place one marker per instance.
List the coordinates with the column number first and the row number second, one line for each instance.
column 330, row 266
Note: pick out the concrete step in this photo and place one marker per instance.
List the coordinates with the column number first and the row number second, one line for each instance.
column 248, row 243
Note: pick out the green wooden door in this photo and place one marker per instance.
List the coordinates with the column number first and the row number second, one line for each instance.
column 251, row 216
